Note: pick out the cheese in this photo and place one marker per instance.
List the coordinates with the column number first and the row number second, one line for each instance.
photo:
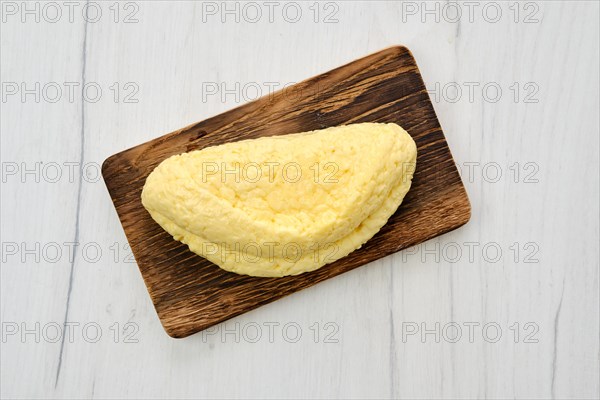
column 283, row 205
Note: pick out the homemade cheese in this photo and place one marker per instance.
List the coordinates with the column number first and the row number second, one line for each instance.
column 283, row 205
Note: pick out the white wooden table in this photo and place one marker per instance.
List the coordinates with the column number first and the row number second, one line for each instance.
column 506, row 306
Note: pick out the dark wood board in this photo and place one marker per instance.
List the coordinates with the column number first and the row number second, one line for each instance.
column 190, row 293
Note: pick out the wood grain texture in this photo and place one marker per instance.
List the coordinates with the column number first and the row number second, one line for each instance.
column 189, row 292
column 370, row 306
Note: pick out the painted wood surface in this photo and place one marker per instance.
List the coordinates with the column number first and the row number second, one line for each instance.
column 528, row 158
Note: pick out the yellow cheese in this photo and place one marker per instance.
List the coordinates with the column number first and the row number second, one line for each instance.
column 283, row 205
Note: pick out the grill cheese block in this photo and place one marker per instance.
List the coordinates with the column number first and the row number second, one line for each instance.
column 283, row 205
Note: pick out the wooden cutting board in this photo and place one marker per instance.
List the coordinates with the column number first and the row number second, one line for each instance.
column 190, row 293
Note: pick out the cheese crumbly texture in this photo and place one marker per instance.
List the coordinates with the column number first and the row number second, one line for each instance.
column 283, row 205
